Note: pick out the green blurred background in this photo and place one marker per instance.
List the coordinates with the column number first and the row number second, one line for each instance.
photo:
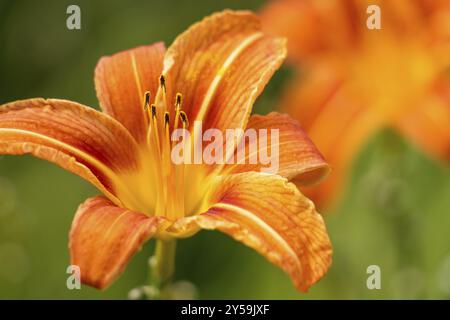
column 395, row 212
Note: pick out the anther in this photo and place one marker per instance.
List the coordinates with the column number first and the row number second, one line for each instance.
column 162, row 82
column 153, row 111
column 178, row 100
column 184, row 119
column 177, row 109
column 166, row 118
column 146, row 100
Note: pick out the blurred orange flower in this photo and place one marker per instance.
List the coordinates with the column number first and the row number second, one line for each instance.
column 352, row 81
column 213, row 73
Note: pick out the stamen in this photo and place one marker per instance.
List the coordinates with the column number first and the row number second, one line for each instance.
column 162, row 82
column 178, row 99
column 166, row 118
column 147, row 105
column 169, row 184
column 177, row 109
column 161, row 98
column 170, row 177
column 146, row 99
column 179, row 174
column 155, row 129
column 156, row 152
column 184, row 119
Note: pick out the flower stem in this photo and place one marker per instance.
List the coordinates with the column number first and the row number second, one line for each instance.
column 162, row 267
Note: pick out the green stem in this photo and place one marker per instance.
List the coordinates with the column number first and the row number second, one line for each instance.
column 162, row 266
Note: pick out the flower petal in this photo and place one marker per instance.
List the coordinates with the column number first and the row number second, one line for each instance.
column 75, row 137
column 307, row 25
column 220, row 66
column 270, row 215
column 336, row 120
column 104, row 237
column 121, row 81
column 428, row 123
column 280, row 15
column 298, row 158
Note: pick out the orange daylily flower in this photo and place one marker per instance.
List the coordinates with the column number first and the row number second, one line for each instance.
column 212, row 72
column 354, row 81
